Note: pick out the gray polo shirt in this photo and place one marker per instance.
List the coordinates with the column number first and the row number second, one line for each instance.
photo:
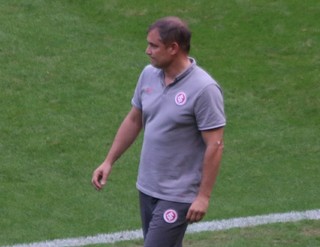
column 173, row 118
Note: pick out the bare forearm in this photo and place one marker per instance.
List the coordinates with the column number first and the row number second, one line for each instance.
column 211, row 164
column 126, row 135
column 212, row 160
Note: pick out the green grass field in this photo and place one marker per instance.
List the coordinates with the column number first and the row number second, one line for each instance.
column 68, row 69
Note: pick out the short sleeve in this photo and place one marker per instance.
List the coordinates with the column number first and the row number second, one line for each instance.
column 209, row 108
column 136, row 99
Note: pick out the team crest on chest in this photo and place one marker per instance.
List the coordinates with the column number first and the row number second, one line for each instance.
column 180, row 98
column 170, row 216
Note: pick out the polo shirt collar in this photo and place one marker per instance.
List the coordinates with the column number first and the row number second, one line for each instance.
column 184, row 73
column 187, row 71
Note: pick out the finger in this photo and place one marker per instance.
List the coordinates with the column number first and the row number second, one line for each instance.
column 96, row 180
column 190, row 216
column 103, row 179
column 96, row 184
column 194, row 216
column 199, row 216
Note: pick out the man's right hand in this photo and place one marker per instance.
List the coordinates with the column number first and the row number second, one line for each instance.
column 100, row 175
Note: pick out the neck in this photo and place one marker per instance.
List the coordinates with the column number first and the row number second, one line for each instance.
column 176, row 68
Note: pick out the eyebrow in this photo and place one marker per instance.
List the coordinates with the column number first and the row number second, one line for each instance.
column 154, row 44
column 151, row 43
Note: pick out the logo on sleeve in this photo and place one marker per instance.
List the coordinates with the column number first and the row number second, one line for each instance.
column 170, row 216
column 181, row 98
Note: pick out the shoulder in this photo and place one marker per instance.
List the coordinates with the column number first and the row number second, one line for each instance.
column 149, row 74
column 150, row 70
column 200, row 80
column 203, row 75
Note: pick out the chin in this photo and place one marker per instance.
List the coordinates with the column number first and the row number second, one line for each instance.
column 155, row 65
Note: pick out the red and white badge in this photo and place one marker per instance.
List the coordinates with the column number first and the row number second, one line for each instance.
column 170, row 216
column 181, row 98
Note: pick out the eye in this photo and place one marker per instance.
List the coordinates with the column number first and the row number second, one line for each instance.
column 152, row 45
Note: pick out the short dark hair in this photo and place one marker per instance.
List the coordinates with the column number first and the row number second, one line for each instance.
column 173, row 29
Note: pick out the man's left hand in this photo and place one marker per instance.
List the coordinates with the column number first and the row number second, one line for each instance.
column 198, row 209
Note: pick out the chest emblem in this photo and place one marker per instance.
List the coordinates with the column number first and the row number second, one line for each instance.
column 181, row 98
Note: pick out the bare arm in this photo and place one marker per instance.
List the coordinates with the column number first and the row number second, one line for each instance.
column 127, row 133
column 211, row 163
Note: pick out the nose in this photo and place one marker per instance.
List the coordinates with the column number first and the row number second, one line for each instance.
column 148, row 50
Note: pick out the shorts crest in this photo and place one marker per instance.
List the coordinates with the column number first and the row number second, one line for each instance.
column 170, row 216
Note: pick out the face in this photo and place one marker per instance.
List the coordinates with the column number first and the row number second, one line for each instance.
column 160, row 54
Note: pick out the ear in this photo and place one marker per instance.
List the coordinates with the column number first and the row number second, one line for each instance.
column 173, row 48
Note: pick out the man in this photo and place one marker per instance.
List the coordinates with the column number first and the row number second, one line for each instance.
column 180, row 108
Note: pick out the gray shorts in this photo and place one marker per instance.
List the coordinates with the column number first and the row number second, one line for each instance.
column 163, row 222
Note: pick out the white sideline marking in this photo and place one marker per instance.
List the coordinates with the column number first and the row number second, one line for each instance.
column 215, row 225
